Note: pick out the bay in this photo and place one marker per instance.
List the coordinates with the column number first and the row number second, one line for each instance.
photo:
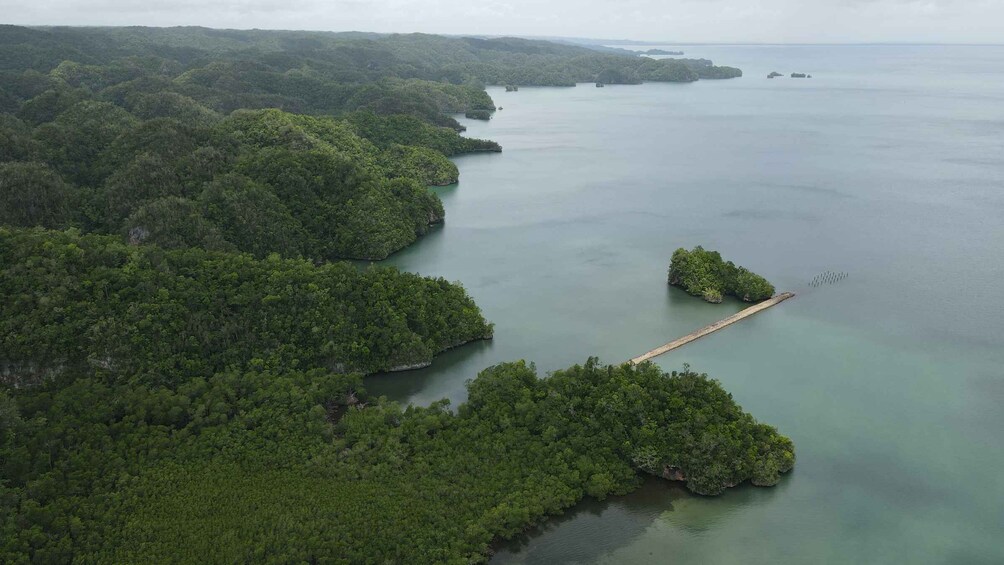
column 888, row 165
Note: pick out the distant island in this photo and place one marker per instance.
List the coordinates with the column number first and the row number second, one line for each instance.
column 776, row 74
column 704, row 273
column 660, row 52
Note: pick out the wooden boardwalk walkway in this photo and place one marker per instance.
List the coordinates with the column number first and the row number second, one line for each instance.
column 713, row 327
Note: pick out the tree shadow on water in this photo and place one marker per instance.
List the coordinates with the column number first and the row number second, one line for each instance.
column 593, row 528
column 460, row 363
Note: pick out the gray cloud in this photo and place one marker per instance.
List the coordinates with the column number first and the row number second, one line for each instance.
column 771, row 21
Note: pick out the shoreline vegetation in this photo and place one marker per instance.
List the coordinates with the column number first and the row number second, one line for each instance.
column 659, row 52
column 276, row 454
column 704, row 273
column 180, row 136
column 84, row 302
column 183, row 345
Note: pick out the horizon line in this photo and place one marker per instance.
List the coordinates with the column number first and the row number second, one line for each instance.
column 574, row 39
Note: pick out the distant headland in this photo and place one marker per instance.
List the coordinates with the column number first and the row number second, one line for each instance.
column 660, row 52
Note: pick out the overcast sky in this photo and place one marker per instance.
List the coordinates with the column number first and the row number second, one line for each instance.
column 761, row 21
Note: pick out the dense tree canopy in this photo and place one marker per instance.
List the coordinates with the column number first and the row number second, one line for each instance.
column 704, row 273
column 132, row 119
column 302, row 467
column 32, row 194
column 181, row 360
column 198, row 406
column 403, row 129
column 316, row 187
column 318, row 71
column 16, row 143
column 140, row 312
column 133, row 134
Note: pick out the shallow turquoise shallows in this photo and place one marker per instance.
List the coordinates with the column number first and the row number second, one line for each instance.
column 887, row 165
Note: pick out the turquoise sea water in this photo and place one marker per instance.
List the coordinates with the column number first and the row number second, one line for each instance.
column 888, row 165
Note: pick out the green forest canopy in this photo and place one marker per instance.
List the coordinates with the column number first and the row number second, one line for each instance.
column 142, row 313
column 320, row 144
column 704, row 273
column 181, row 362
column 260, row 57
column 302, row 467
column 199, row 406
column 258, row 181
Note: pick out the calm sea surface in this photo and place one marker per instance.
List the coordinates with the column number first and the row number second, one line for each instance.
column 887, row 165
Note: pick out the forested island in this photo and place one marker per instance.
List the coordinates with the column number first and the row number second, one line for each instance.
column 181, row 352
column 704, row 273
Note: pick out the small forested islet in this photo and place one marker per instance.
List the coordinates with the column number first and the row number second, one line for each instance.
column 704, row 273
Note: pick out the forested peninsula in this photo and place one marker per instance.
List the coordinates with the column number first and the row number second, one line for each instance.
column 317, row 145
column 281, row 466
column 75, row 304
column 182, row 352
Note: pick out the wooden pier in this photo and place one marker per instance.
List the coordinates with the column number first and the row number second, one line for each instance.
column 759, row 307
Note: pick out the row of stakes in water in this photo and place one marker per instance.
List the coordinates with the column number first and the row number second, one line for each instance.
column 827, row 277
